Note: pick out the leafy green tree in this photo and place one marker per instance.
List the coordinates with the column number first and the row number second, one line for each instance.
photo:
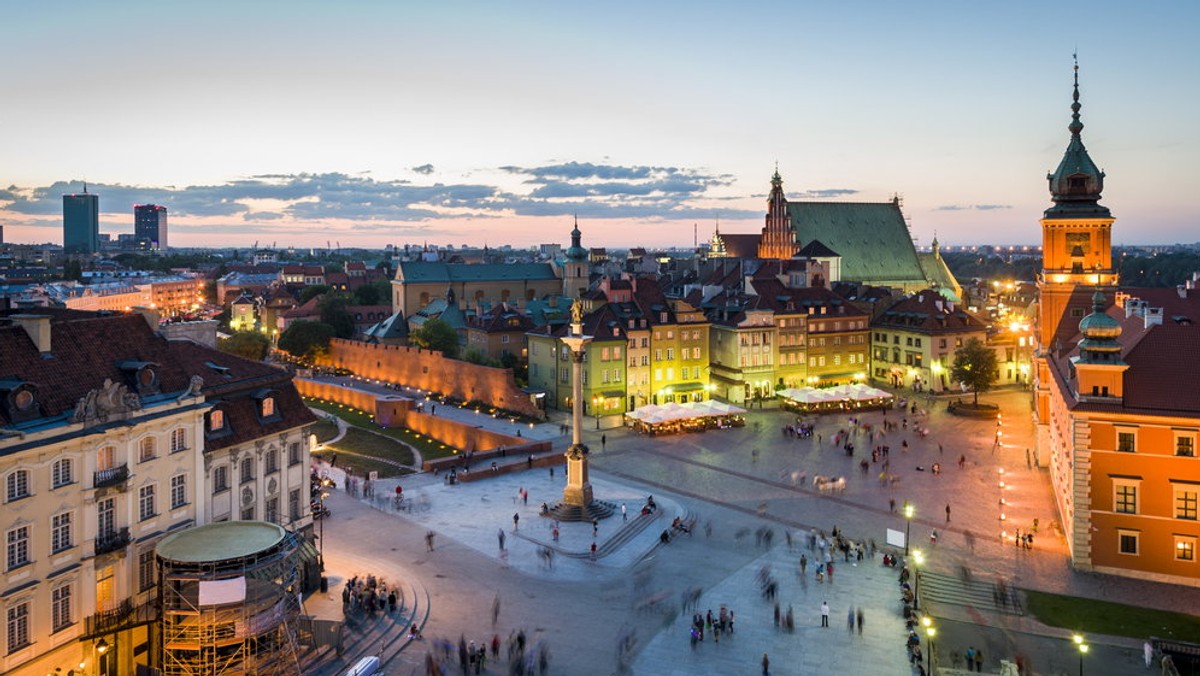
column 375, row 293
column 975, row 365
column 334, row 313
column 436, row 335
column 306, row 340
column 310, row 292
column 248, row 344
column 474, row 356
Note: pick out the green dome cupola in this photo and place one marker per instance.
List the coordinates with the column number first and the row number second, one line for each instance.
column 1100, row 332
column 1076, row 185
column 576, row 252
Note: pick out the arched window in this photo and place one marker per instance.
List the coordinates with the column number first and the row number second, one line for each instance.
column 61, row 473
column 147, row 449
column 178, row 440
column 17, row 485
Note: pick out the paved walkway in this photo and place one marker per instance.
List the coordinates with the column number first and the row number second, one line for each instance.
column 585, row 610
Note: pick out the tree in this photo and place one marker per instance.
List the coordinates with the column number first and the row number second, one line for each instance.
column 436, row 335
column 248, row 344
column 310, row 292
column 334, row 313
column 376, row 293
column 305, row 339
column 975, row 366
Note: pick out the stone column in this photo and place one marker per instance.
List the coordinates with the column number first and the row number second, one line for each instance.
column 579, row 489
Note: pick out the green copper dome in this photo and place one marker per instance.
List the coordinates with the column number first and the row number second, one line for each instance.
column 576, row 252
column 1076, row 185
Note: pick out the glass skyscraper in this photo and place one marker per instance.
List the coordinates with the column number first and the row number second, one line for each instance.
column 81, row 223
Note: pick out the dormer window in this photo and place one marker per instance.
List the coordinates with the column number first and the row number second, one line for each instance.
column 142, row 375
column 267, row 405
column 216, row 421
column 18, row 400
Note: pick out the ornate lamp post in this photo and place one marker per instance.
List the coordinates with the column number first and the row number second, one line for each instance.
column 596, row 402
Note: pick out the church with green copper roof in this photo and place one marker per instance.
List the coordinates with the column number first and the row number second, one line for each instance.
column 871, row 239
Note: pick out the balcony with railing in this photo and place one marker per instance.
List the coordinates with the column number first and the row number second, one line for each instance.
column 112, row 541
column 124, row 616
column 110, row 477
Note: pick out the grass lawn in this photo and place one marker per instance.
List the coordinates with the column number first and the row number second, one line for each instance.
column 1104, row 617
column 363, row 442
column 429, row 448
column 362, row 466
column 324, row 430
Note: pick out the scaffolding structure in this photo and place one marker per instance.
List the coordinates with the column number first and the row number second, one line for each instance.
column 235, row 613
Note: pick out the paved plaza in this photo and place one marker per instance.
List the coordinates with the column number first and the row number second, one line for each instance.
column 623, row 610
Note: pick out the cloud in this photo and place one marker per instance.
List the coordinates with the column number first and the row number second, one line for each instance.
column 827, row 193
column 977, row 207
column 424, row 169
column 586, row 189
column 261, row 216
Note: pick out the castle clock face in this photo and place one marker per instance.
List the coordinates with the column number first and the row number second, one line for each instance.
column 1082, row 240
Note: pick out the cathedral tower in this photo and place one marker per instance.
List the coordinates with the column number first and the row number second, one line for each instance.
column 778, row 239
column 576, row 267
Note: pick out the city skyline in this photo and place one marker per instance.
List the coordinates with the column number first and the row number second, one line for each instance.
column 374, row 124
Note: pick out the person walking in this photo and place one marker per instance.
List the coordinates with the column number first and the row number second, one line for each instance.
column 766, row 665
column 500, row 537
column 947, row 512
column 516, row 521
column 429, row 541
column 825, row 613
column 850, row 620
column 603, row 441
column 859, row 618
column 624, row 516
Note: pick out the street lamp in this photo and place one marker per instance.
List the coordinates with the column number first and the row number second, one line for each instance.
column 321, row 536
column 596, row 401
column 101, row 662
column 930, row 633
column 1083, row 648
column 918, row 560
column 908, row 515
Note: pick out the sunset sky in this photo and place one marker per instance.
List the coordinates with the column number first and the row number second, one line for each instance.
column 369, row 123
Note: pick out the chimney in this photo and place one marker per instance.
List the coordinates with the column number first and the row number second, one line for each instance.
column 38, row 328
column 1154, row 315
column 149, row 314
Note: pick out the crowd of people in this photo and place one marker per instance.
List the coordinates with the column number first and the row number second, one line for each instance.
column 368, row 596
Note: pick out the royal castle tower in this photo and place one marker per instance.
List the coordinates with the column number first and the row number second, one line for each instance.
column 1076, row 242
column 778, row 238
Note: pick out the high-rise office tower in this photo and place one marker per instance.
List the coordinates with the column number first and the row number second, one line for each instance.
column 150, row 225
column 81, row 222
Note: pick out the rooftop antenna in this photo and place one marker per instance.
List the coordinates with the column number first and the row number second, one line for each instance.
column 85, row 182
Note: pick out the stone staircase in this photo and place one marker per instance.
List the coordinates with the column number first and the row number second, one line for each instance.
column 978, row 594
column 383, row 635
column 598, row 509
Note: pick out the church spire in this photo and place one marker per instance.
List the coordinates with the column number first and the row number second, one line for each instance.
column 778, row 238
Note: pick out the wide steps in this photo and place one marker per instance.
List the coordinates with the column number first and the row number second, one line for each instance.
column 978, row 594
